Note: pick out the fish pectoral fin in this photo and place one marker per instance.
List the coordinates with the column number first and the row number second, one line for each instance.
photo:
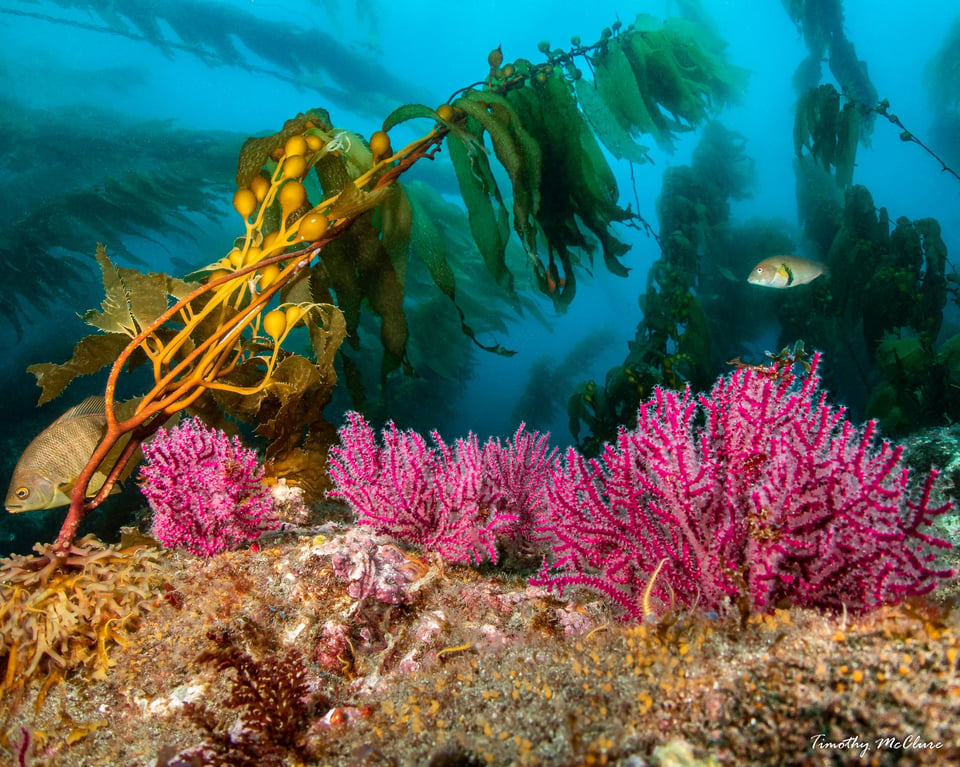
column 64, row 491
column 67, row 487
column 96, row 482
column 62, row 496
column 787, row 273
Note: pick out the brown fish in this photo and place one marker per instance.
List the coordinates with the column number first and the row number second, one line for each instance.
column 48, row 469
column 786, row 272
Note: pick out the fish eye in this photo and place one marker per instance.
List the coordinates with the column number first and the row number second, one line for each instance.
column 22, row 493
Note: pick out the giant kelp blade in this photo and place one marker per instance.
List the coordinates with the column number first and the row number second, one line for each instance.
column 116, row 315
column 489, row 220
column 133, row 299
column 517, row 151
column 829, row 132
column 848, row 137
column 419, row 111
column 429, row 246
column 647, row 69
column 611, row 130
column 336, row 276
column 593, row 186
column 396, row 224
column 380, row 285
column 826, row 115
column 302, row 52
column 409, row 112
column 658, row 78
column 126, row 178
column 256, row 151
column 621, row 84
column 89, row 355
column 548, row 112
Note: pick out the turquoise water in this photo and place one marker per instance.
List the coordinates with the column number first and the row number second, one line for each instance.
column 159, row 98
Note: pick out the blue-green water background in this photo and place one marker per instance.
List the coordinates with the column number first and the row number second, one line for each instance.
column 62, row 61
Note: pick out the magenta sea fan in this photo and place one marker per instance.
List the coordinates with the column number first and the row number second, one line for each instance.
column 459, row 500
column 758, row 488
column 205, row 490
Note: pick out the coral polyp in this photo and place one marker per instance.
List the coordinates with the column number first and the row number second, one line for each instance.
column 206, row 491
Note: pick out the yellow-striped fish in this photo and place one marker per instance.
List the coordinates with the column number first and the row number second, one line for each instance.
column 786, row 272
column 48, row 469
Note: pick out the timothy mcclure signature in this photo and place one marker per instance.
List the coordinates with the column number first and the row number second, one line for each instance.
column 863, row 746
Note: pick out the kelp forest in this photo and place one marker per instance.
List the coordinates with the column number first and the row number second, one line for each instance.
column 344, row 277
column 286, row 266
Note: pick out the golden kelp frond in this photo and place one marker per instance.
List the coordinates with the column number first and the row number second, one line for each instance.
column 60, row 614
column 225, row 335
column 133, row 300
column 257, row 151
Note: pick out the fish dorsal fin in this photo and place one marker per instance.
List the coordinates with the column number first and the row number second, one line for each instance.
column 90, row 406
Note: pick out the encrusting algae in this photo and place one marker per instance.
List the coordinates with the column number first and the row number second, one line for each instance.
column 454, row 666
column 59, row 614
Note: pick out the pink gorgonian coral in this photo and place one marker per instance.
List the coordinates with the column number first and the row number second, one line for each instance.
column 205, row 490
column 758, row 488
column 456, row 500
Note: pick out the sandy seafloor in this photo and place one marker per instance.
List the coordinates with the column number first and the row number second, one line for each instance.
column 410, row 661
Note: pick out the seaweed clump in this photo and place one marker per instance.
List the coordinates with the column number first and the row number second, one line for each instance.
column 57, row 614
column 273, row 700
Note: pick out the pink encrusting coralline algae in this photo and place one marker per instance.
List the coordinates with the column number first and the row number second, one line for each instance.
column 757, row 488
column 458, row 501
column 205, row 490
